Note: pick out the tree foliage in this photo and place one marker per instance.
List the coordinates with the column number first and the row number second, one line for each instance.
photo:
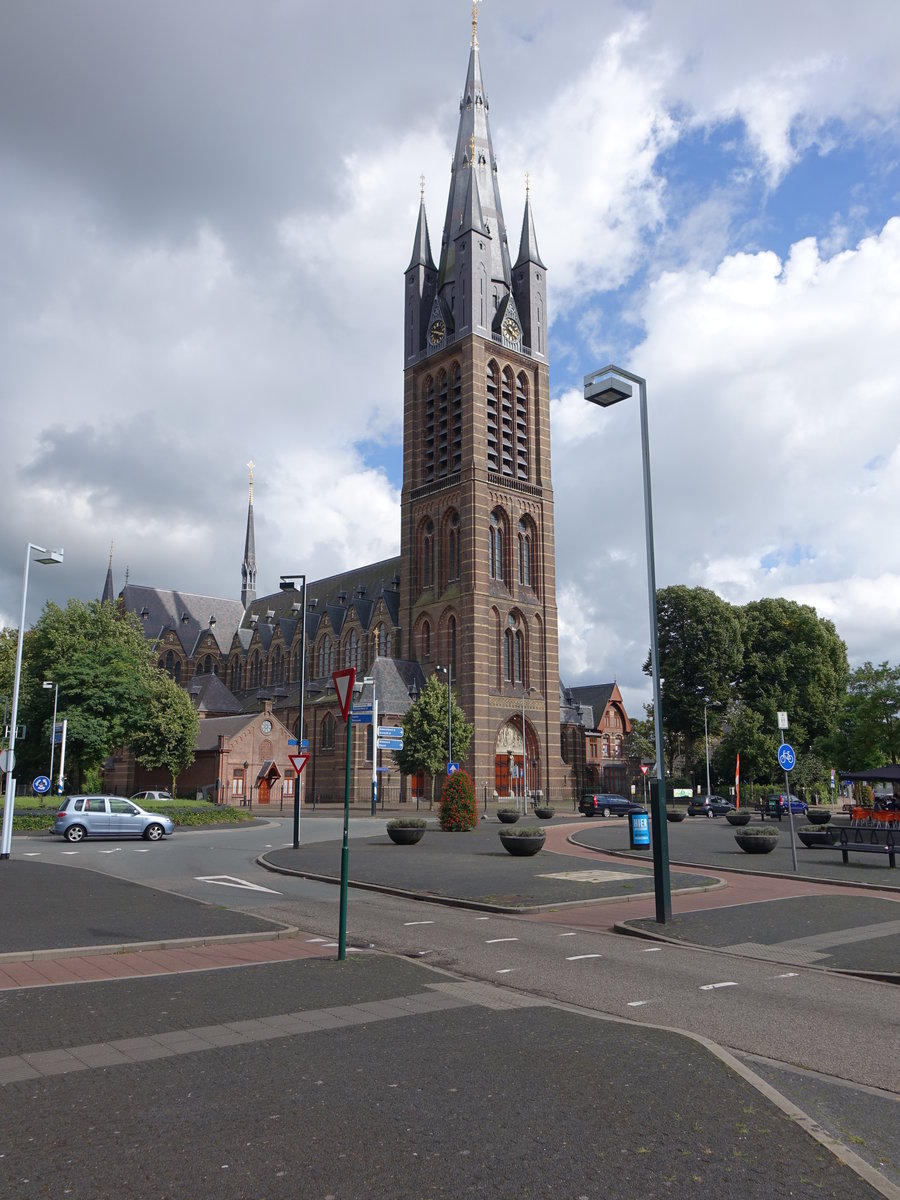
column 868, row 725
column 425, row 732
column 699, row 659
column 168, row 737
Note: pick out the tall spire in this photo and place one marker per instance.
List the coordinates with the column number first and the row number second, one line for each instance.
column 248, row 568
column 421, row 254
column 109, row 594
column 474, row 155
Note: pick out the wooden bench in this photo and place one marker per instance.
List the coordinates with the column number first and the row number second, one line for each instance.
column 845, row 845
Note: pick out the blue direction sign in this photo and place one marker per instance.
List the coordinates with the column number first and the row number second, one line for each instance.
column 390, row 731
column 786, row 757
column 452, row 768
column 390, row 743
column 41, row 785
column 362, row 716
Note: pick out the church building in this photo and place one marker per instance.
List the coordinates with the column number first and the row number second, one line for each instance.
column 472, row 594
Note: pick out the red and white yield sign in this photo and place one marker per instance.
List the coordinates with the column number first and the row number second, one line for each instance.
column 343, row 684
column 644, row 769
column 298, row 761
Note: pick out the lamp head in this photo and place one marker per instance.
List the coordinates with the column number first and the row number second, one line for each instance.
column 50, row 557
column 48, row 683
column 606, row 388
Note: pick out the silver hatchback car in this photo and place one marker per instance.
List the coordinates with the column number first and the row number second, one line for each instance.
column 79, row 817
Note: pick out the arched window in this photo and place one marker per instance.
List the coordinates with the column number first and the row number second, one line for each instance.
column 351, row 650
column 452, row 547
column 495, row 546
column 451, row 645
column 493, row 418
column 237, row 675
column 524, row 554
column 326, row 735
column 426, row 641
column 428, row 429
column 521, row 426
column 276, row 670
column 324, row 658
column 427, row 553
column 508, row 656
column 520, row 656
column 507, row 430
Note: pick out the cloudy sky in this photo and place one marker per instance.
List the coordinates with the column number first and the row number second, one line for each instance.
column 207, row 207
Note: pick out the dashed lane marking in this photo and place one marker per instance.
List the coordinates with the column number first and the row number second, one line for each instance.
column 651, row 950
column 506, row 970
column 493, row 941
column 578, row 957
column 418, row 923
column 786, row 975
column 711, row 987
column 636, row 1003
column 572, row 934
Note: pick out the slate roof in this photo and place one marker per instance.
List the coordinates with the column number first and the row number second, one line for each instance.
column 212, row 728
column 187, row 614
column 393, row 679
column 595, row 697
column 210, row 695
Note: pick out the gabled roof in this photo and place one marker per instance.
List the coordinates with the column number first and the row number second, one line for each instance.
column 186, row 613
column 393, row 679
column 210, row 695
column 598, row 697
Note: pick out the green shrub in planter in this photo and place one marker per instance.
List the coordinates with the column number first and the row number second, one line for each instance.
column 542, row 813
column 738, row 816
column 507, row 816
column 757, row 839
column 527, row 840
column 406, row 831
column 818, row 816
column 459, row 810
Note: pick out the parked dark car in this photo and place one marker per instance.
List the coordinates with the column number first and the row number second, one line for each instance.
column 709, row 806
column 607, row 804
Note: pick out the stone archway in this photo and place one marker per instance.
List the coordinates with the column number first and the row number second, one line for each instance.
column 516, row 772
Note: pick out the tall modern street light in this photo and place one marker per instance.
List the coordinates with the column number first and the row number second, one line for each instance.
column 446, row 671
column 607, row 387
column 48, row 557
column 706, row 740
column 525, row 692
column 287, row 585
column 48, row 683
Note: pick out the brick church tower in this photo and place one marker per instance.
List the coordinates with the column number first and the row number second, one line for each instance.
column 478, row 591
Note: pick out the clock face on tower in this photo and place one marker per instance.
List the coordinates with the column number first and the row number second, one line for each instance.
column 437, row 332
column 266, row 727
column 510, row 330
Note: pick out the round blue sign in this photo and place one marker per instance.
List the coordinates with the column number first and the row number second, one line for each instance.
column 41, row 785
column 786, row 757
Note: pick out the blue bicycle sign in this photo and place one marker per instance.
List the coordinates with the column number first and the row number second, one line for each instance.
column 786, row 757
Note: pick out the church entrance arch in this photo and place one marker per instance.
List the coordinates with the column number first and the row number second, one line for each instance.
column 517, row 765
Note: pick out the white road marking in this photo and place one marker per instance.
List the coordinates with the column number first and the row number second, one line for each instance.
column 636, row 1003
column 651, row 950
column 319, row 940
column 32, row 854
column 493, row 941
column 786, row 975
column 506, row 970
column 231, row 881
column 418, row 922
column 115, row 850
column 594, row 876
column 482, row 918
column 139, row 850
column 70, row 851
column 572, row 934
column 711, row 987
column 578, row 957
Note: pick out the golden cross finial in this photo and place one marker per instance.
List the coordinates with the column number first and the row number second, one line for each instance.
column 472, row 151
column 527, row 184
column 110, row 553
column 421, row 187
column 475, row 4
column 251, row 466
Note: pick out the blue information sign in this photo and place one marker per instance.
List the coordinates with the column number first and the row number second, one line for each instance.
column 41, row 785
column 640, row 829
column 452, row 768
column 786, row 757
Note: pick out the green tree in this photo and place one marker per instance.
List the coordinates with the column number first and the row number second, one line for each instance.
column 640, row 743
column 794, row 662
column 699, row 660
column 746, row 734
column 169, row 737
column 104, row 668
column 425, row 732
column 868, row 733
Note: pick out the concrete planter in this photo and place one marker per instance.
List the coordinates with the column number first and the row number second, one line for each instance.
column 740, row 816
column 406, row 832
column 507, row 816
column 519, row 845
column 760, row 840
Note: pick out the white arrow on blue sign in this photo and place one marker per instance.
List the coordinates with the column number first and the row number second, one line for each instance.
column 390, row 743
column 786, row 757
column 41, row 785
column 390, row 731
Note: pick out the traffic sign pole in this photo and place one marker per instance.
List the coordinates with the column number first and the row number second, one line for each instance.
column 343, row 682
column 787, row 759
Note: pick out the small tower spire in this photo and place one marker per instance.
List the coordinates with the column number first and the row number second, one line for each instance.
column 109, row 594
column 248, row 567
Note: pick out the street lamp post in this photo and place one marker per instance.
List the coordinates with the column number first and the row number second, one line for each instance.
column 706, row 740
column 48, row 683
column 48, row 557
column 607, row 387
column 525, row 691
column 286, row 585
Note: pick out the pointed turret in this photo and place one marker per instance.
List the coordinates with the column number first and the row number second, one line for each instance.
column 530, row 283
column 420, row 279
column 248, row 568
column 109, row 594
